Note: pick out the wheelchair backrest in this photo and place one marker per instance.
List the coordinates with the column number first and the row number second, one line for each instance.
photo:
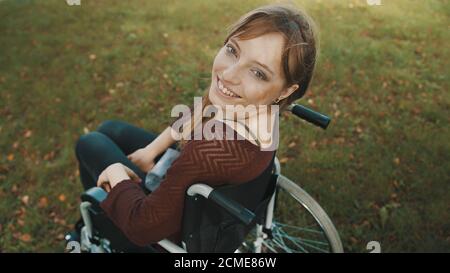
column 209, row 228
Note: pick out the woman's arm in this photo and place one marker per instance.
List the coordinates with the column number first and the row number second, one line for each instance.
column 144, row 158
column 161, row 143
column 114, row 174
column 149, row 218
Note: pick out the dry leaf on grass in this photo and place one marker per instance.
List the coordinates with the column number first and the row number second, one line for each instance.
column 25, row 237
column 25, row 200
column 62, row 197
column 43, row 202
column 284, row 160
column 27, row 133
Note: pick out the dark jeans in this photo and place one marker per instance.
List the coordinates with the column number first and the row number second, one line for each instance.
column 111, row 143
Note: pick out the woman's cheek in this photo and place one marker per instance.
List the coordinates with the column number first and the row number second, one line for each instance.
column 262, row 96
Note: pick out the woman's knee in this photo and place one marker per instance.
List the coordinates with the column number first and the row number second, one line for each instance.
column 109, row 126
column 112, row 128
column 89, row 143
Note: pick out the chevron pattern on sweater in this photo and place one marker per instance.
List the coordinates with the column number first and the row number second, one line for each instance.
column 204, row 158
column 149, row 218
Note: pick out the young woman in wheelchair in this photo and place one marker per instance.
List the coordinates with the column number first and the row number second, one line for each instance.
column 268, row 58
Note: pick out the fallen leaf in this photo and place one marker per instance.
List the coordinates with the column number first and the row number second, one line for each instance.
column 21, row 222
column 14, row 189
column 10, row 157
column 92, row 57
column 43, row 202
column 284, row 160
column 62, row 197
column 16, row 144
column 397, row 161
column 60, row 236
column 25, row 200
column 291, row 145
column 49, row 156
column 396, row 184
column 28, row 134
column 59, row 221
column 25, row 237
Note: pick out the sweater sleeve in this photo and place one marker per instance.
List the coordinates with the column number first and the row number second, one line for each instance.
column 146, row 219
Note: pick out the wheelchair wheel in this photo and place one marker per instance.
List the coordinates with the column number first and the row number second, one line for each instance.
column 294, row 223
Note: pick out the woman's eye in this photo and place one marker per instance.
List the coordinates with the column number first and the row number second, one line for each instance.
column 259, row 74
column 230, row 49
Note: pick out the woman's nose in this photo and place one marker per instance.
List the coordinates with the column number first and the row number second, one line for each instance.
column 230, row 76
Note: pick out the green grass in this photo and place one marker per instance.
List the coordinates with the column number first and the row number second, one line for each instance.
column 381, row 170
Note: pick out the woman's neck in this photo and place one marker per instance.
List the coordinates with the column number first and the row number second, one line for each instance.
column 258, row 126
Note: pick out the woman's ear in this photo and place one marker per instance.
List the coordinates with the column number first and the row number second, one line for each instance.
column 288, row 91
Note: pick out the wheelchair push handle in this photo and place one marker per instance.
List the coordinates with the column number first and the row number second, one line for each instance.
column 237, row 210
column 310, row 115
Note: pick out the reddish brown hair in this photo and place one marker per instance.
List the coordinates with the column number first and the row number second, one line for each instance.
column 300, row 44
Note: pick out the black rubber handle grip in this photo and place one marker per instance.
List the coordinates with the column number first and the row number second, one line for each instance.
column 236, row 209
column 311, row 116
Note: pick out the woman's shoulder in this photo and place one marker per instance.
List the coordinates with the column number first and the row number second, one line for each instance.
column 228, row 155
column 219, row 136
column 223, row 160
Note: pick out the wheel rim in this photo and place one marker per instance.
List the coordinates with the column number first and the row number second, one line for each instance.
column 299, row 225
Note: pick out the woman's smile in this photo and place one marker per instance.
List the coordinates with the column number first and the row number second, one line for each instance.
column 224, row 91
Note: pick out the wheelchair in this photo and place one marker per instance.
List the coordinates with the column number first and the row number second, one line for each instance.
column 270, row 214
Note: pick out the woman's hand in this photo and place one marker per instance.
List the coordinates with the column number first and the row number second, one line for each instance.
column 114, row 174
column 143, row 158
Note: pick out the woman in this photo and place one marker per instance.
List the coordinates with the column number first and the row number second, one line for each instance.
column 268, row 58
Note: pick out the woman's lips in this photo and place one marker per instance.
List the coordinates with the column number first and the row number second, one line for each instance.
column 224, row 91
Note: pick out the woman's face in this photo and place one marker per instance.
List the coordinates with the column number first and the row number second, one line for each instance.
column 249, row 72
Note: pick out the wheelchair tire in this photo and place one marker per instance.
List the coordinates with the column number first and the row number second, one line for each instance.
column 291, row 228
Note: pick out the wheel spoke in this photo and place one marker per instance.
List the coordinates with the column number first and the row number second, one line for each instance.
column 299, row 228
column 299, row 224
column 295, row 243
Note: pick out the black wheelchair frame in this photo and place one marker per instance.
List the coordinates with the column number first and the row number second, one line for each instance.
column 214, row 220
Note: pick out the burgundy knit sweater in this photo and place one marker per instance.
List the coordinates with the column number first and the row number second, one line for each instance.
column 146, row 219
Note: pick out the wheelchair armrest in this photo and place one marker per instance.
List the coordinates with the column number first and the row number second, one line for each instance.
column 94, row 195
column 233, row 207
